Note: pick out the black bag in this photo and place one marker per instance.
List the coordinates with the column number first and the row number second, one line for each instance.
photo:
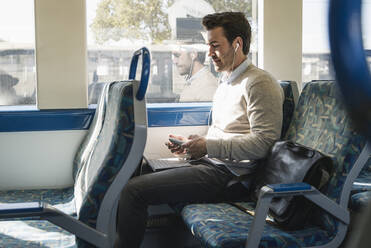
column 289, row 162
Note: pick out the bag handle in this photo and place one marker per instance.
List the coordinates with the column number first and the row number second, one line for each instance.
column 146, row 67
column 299, row 149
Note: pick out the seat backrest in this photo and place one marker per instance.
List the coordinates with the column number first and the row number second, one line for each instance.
column 86, row 147
column 288, row 104
column 116, row 150
column 112, row 147
column 321, row 122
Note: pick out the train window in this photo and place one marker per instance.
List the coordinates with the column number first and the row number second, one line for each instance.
column 316, row 59
column 181, row 70
column 316, row 52
column 17, row 53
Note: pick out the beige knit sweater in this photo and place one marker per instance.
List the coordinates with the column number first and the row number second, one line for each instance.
column 246, row 117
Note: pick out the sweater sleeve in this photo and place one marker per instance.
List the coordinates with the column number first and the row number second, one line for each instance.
column 264, row 111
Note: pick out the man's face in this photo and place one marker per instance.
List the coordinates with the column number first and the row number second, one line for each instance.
column 220, row 50
column 183, row 62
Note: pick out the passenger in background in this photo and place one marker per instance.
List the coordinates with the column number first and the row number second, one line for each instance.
column 201, row 83
column 246, row 121
column 95, row 89
column 8, row 95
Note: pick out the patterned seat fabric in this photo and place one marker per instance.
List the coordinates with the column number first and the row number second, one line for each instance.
column 86, row 147
column 108, row 155
column 322, row 123
column 319, row 122
column 223, row 225
column 61, row 199
column 34, row 234
column 26, row 232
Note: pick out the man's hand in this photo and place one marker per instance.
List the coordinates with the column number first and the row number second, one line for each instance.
column 175, row 148
column 195, row 147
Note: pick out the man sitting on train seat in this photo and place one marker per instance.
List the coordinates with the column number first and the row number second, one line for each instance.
column 200, row 82
column 247, row 119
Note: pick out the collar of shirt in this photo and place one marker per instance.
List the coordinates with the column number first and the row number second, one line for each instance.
column 235, row 73
column 197, row 74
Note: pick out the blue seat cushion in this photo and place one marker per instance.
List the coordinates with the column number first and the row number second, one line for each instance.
column 26, row 232
column 34, row 233
column 62, row 199
column 223, row 225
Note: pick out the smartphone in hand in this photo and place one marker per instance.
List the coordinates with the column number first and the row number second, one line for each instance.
column 176, row 141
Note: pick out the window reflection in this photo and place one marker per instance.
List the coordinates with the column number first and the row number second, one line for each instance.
column 17, row 56
column 317, row 64
column 171, row 29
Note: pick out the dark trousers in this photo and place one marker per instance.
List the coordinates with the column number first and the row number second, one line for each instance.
column 198, row 183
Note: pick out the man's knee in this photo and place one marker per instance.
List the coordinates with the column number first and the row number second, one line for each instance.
column 132, row 190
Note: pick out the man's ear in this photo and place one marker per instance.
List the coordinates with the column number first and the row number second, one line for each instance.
column 237, row 46
column 238, row 41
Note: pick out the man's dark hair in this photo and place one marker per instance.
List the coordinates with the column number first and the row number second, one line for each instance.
column 234, row 24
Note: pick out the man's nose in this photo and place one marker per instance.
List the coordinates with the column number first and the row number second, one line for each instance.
column 211, row 51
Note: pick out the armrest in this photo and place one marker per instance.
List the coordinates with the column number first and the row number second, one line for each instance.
column 290, row 187
column 268, row 192
column 309, row 192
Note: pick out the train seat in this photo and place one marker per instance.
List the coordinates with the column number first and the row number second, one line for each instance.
column 320, row 122
column 107, row 158
column 62, row 199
